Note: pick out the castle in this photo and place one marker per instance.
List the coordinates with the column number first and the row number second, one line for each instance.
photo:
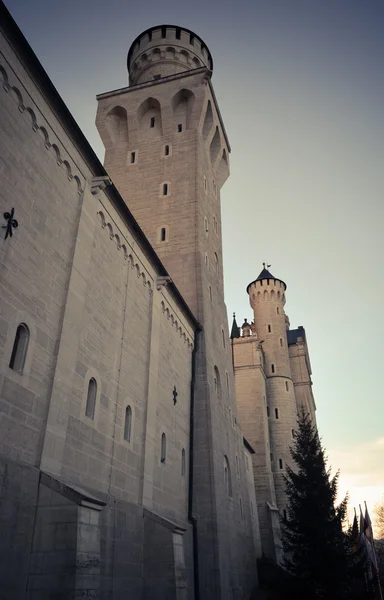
column 142, row 448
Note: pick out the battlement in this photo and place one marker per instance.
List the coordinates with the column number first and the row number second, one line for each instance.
column 166, row 50
column 266, row 290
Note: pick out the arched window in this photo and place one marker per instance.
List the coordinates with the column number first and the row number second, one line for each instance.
column 163, row 234
column 227, row 477
column 183, row 462
column 216, row 379
column 128, row 424
column 272, row 368
column 20, row 347
column 163, row 448
column 91, row 399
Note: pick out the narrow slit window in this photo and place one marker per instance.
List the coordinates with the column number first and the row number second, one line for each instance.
column 128, row 424
column 272, row 368
column 285, row 514
column 165, row 189
column 152, row 122
column 91, row 399
column 166, row 150
column 277, row 310
column 19, row 350
column 269, row 327
column 271, row 457
column 133, row 158
column 286, row 386
column 163, row 448
column 163, row 234
column 280, row 463
column 267, row 411
column 183, row 462
column 206, row 224
column 179, row 128
column 281, row 342
column 205, row 183
column 276, row 413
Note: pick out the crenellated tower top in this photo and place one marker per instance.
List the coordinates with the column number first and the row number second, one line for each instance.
column 166, row 50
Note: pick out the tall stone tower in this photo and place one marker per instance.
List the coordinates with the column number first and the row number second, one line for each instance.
column 167, row 153
column 267, row 298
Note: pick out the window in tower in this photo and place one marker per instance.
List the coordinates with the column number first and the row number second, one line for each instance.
column 276, row 413
column 272, row 368
column 163, row 32
column 281, row 342
column 133, row 158
column 166, row 150
column 271, row 457
column 163, row 234
column 205, row 183
column 216, row 263
column 277, row 310
column 206, row 260
column 128, row 424
column 152, row 122
column 91, row 399
column 268, row 411
column 165, row 189
column 163, row 448
column 216, row 381
column 267, row 281
column 285, row 514
column 269, row 329
column 286, row 386
column 19, row 350
column 280, row 463
column 179, row 128
column 178, row 33
column 206, row 224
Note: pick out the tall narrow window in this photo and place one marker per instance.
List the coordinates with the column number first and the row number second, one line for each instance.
column 163, row 448
column 271, row 457
column 183, row 462
column 20, row 347
column 286, row 386
column 133, row 157
column 277, row 310
column 91, row 399
column 267, row 411
column 206, row 224
column 165, row 189
column 269, row 327
column 272, row 368
column 152, row 122
column 128, row 424
column 216, row 263
column 166, row 150
column 276, row 413
column 179, row 128
column 280, row 463
column 205, row 183
column 163, row 234
column 216, row 380
column 227, row 477
column 284, row 514
column 281, row 342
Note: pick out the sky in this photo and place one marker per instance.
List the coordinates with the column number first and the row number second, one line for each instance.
column 300, row 85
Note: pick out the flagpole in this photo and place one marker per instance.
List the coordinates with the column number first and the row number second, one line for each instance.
column 374, row 552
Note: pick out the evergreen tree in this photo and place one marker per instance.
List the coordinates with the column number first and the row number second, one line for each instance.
column 317, row 552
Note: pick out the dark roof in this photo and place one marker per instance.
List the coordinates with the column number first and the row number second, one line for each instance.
column 294, row 334
column 265, row 274
column 248, row 446
column 36, row 70
column 150, row 29
column 235, row 331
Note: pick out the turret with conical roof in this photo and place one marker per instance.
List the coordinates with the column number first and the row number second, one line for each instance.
column 267, row 298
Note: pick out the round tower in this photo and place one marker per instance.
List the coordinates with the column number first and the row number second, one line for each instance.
column 166, row 50
column 267, row 298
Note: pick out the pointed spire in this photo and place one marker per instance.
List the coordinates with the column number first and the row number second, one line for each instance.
column 266, row 274
column 235, row 331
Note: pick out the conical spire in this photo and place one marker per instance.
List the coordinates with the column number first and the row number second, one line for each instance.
column 235, row 331
column 266, row 274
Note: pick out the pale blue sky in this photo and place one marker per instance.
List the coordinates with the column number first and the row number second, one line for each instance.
column 301, row 88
